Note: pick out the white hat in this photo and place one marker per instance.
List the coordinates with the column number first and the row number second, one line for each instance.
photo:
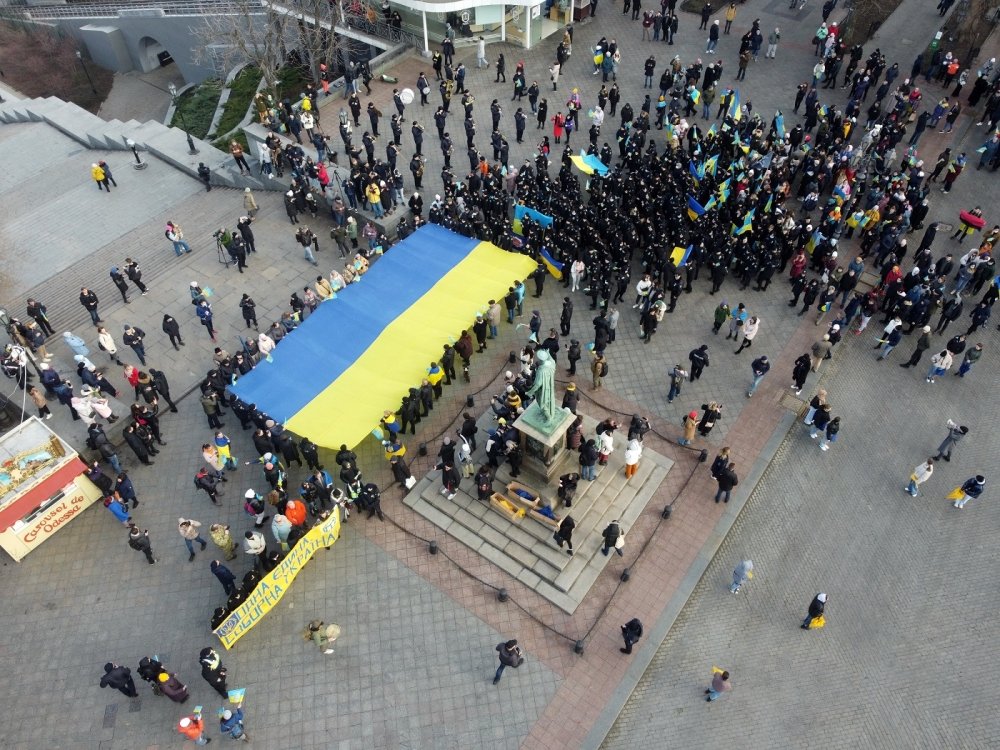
column 246, row 190
column 227, row 714
column 185, row 722
column 821, row 597
column 250, row 495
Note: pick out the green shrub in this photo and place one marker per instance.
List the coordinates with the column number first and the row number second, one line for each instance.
column 241, row 94
column 196, row 108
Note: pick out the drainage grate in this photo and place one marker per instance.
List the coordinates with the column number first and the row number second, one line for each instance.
column 110, row 713
column 792, row 403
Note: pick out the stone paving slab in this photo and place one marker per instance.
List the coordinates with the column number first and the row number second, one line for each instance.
column 526, row 545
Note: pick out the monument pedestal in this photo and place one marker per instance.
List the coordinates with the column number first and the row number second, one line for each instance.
column 543, row 444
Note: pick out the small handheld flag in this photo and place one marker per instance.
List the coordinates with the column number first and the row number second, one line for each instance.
column 553, row 266
column 734, row 106
column 695, row 209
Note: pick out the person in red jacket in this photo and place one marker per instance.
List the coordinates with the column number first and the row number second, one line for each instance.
column 295, row 512
column 193, row 728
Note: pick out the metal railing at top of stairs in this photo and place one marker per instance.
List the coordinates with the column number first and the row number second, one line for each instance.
column 114, row 8
column 369, row 19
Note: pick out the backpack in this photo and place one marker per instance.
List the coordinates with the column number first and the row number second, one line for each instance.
column 635, row 626
column 604, row 369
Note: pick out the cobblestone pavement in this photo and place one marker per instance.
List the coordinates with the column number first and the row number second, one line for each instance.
column 413, row 666
column 901, row 660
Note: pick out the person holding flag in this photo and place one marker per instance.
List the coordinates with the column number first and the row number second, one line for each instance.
column 231, row 723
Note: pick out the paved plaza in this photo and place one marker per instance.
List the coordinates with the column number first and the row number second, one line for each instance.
column 904, row 660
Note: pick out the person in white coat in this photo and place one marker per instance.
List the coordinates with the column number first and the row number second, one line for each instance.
column 481, row 61
column 576, row 272
column 605, row 446
column 106, row 342
column 920, row 475
column 749, row 332
column 940, row 364
column 633, row 452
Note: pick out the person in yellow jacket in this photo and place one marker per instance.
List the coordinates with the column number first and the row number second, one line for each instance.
column 100, row 177
column 730, row 17
column 374, row 196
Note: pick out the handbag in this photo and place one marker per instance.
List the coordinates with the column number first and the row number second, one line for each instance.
column 817, row 622
column 620, row 542
column 410, row 482
column 955, row 494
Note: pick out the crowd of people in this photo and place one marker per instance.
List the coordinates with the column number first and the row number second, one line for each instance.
column 740, row 196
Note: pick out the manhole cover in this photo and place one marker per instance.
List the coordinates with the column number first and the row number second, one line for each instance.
column 792, row 402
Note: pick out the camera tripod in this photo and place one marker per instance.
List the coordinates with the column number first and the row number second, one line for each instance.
column 221, row 250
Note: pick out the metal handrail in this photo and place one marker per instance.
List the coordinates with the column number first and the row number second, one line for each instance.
column 112, row 8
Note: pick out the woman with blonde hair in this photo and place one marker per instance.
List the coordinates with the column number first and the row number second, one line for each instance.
column 713, row 410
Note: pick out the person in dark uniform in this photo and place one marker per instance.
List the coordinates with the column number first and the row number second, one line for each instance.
column 213, row 671
column 119, row 678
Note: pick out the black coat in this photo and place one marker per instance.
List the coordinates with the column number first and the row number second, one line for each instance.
column 727, row 479
column 611, row 534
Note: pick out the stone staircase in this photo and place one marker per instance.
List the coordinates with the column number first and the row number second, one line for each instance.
column 165, row 143
column 524, row 548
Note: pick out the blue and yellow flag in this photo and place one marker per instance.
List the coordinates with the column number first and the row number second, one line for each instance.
column 734, row 106
column 710, row 165
column 695, row 209
column 697, row 172
column 770, row 202
column 710, row 203
column 747, row 224
column 725, row 190
column 712, row 130
column 552, row 265
column 813, row 242
column 695, row 95
column 680, row 255
column 779, row 124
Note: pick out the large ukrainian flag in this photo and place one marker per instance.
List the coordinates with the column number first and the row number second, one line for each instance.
column 357, row 355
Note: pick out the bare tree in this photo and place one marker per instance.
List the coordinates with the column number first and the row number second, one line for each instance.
column 968, row 26
column 272, row 35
